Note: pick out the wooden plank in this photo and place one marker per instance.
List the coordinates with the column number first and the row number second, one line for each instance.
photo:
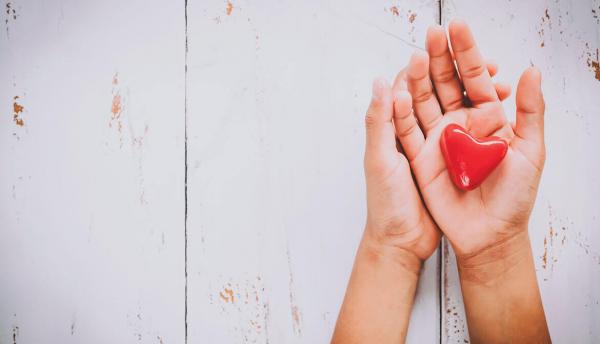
column 562, row 39
column 91, row 180
column 276, row 98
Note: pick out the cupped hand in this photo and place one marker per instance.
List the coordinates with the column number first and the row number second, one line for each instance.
column 396, row 215
column 499, row 208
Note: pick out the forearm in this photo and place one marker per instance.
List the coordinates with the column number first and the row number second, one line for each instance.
column 380, row 295
column 501, row 295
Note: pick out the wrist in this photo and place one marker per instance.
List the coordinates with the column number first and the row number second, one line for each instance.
column 380, row 293
column 376, row 251
column 500, row 293
column 495, row 261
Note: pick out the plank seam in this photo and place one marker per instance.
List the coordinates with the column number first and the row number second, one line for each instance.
column 185, row 134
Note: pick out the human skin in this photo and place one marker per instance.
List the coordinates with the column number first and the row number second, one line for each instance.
column 399, row 234
column 487, row 227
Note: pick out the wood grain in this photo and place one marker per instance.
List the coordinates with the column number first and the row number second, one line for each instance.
column 276, row 99
column 91, row 177
column 192, row 171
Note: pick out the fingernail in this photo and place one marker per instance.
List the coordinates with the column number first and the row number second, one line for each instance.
column 436, row 27
column 396, row 96
column 537, row 74
column 419, row 54
column 458, row 20
column 403, row 84
column 417, row 59
column 399, row 95
column 377, row 88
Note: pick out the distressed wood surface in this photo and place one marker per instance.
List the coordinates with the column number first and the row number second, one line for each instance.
column 192, row 172
column 276, row 97
column 562, row 39
column 92, row 172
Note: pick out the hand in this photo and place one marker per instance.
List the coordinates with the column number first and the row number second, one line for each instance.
column 498, row 210
column 487, row 226
column 399, row 235
column 396, row 215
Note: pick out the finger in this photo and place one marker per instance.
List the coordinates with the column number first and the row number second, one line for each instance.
column 503, row 90
column 446, row 81
column 442, row 69
column 472, row 69
column 407, row 129
column 378, row 120
column 425, row 103
column 492, row 67
column 530, row 107
column 400, row 81
column 400, row 85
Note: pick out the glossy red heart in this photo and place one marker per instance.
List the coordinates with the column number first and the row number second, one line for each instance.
column 470, row 160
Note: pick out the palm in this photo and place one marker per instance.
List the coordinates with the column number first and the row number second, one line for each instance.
column 477, row 219
column 396, row 213
column 398, row 208
column 500, row 206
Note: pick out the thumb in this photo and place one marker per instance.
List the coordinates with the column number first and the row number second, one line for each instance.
column 378, row 120
column 530, row 107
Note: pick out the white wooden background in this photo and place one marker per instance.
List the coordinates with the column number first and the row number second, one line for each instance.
column 175, row 171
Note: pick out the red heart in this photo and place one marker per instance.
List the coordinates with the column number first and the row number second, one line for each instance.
column 470, row 160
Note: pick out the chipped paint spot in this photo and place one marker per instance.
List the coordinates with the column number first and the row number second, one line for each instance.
column 445, row 254
column 10, row 15
column 401, row 14
column 295, row 311
column 136, row 324
column 549, row 255
column 138, row 141
column 116, row 106
column 583, row 242
column 125, row 130
column 454, row 322
column 296, row 316
column 541, row 30
column 227, row 295
column 412, row 17
column 552, row 248
column 247, row 302
column 545, row 255
column 15, row 333
column 229, row 8
column 17, row 111
column 593, row 63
